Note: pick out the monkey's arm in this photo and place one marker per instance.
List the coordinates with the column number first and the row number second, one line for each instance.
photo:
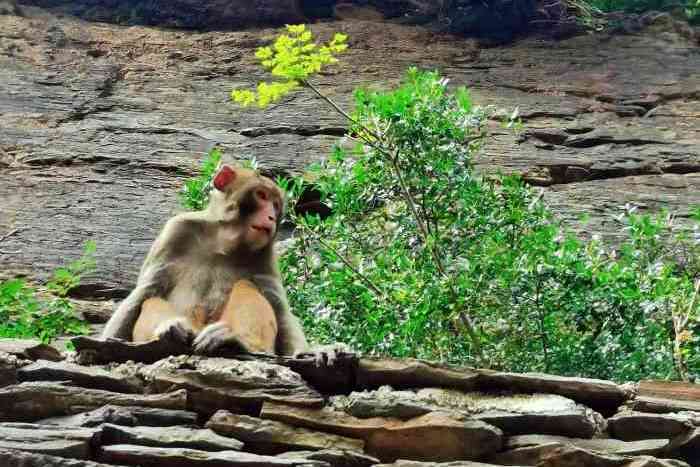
column 154, row 280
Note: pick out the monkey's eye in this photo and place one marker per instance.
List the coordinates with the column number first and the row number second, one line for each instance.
column 262, row 195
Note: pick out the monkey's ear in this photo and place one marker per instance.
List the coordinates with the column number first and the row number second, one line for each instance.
column 223, row 177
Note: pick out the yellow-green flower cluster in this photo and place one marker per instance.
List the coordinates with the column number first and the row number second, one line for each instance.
column 293, row 57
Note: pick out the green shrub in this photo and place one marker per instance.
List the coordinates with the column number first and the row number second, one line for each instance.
column 195, row 192
column 27, row 313
column 424, row 257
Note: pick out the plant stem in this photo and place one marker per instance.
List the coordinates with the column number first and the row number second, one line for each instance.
column 364, row 278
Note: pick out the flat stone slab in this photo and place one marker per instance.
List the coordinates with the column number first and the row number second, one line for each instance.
column 97, row 351
column 406, row 463
column 84, row 376
column 659, row 405
column 338, row 378
column 169, row 437
column 170, row 457
column 651, row 447
column 36, row 400
column 514, row 414
column 39, row 439
column 434, row 436
column 30, row 349
column 125, row 416
column 633, row 426
column 270, row 435
column 219, row 383
column 14, row 458
column 598, row 394
column 558, row 455
column 334, row 457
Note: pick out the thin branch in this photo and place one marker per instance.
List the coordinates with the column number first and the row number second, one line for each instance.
column 364, row 278
column 11, row 233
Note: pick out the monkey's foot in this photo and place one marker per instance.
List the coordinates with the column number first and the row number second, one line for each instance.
column 175, row 330
column 213, row 338
column 325, row 355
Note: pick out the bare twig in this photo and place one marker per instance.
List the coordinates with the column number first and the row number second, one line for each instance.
column 10, row 234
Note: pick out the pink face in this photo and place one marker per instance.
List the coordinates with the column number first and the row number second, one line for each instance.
column 262, row 224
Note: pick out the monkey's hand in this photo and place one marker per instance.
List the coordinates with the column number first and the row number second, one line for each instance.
column 325, row 355
column 175, row 330
column 213, row 337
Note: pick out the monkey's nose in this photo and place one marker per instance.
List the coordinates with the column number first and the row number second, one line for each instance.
column 270, row 218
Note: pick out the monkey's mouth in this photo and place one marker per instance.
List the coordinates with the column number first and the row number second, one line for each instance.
column 263, row 229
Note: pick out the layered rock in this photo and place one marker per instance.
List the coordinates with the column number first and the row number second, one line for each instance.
column 256, row 410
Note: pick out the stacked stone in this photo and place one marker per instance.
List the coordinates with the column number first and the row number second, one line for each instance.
column 122, row 404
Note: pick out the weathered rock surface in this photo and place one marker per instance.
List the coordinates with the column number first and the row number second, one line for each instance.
column 15, row 458
column 149, row 456
column 172, row 437
column 334, row 457
column 273, row 417
column 56, row 441
column 514, row 414
column 659, row 405
column 8, row 368
column 34, row 401
column 558, row 455
column 95, row 351
column 87, row 377
column 182, row 13
column 605, row 446
column 438, row 436
column 634, row 426
column 338, row 378
column 271, row 436
column 219, row 383
column 406, row 463
column 405, row 373
column 29, row 349
column 126, row 416
column 102, row 123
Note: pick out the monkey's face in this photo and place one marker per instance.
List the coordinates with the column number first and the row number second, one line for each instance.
column 253, row 204
column 260, row 211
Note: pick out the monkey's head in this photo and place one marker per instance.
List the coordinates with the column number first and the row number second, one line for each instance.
column 250, row 202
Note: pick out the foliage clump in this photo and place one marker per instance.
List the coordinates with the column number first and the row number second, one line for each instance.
column 293, row 58
column 195, row 193
column 425, row 257
column 26, row 312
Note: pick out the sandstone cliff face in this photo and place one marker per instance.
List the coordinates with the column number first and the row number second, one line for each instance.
column 153, row 405
column 102, row 123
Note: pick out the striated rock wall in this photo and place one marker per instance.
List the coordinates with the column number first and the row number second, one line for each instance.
column 122, row 404
column 102, row 123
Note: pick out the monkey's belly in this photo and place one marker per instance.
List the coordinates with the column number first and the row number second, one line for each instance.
column 251, row 318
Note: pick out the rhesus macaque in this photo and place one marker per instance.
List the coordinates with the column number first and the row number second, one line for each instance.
column 210, row 271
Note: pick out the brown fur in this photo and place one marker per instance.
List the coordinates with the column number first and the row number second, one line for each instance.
column 204, row 276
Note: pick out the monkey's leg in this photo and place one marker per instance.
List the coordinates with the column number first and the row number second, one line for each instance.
column 159, row 319
column 247, row 320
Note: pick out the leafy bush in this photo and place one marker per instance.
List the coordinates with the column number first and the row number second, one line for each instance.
column 424, row 257
column 195, row 192
column 27, row 313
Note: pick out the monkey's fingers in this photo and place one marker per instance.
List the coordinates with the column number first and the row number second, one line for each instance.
column 175, row 330
column 212, row 338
